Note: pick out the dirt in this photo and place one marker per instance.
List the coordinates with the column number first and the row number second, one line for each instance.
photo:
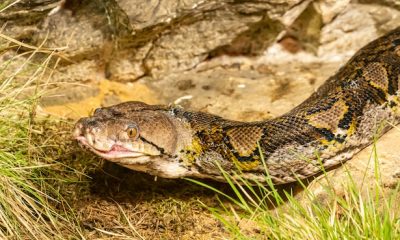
column 162, row 209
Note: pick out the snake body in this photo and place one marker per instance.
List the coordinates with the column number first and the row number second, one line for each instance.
column 353, row 107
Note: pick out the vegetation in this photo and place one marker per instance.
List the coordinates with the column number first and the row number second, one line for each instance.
column 30, row 206
column 276, row 214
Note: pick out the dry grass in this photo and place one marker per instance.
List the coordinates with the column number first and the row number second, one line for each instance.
column 27, row 200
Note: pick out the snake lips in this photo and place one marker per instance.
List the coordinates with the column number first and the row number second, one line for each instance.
column 338, row 120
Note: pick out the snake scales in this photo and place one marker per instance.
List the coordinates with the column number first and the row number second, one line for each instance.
column 342, row 117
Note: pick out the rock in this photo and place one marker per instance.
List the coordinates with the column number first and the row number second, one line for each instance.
column 108, row 93
column 385, row 18
column 76, row 30
column 143, row 14
column 306, row 29
column 172, row 53
column 390, row 3
column 331, row 9
column 160, row 38
column 163, row 36
column 352, row 29
column 242, row 91
column 253, row 41
column 20, row 20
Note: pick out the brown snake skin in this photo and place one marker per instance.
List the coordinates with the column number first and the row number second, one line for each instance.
column 360, row 102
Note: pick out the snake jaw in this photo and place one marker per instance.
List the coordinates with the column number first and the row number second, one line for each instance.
column 116, row 149
column 116, row 153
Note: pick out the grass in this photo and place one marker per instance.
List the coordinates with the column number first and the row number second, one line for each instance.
column 266, row 212
column 30, row 206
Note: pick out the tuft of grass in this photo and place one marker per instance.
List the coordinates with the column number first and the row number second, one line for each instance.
column 30, row 207
column 264, row 212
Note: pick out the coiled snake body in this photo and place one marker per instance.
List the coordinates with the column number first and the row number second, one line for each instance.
column 358, row 103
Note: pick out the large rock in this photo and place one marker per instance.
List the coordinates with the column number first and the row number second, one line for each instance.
column 132, row 39
column 136, row 38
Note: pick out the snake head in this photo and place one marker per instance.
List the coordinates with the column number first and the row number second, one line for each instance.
column 135, row 135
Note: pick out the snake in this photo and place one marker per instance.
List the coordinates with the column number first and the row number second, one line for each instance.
column 348, row 112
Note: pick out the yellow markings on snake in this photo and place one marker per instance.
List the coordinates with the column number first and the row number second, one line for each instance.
column 329, row 119
column 193, row 151
column 396, row 107
column 333, row 145
column 352, row 128
column 248, row 165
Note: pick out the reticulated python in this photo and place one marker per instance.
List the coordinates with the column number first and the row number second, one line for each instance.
column 338, row 120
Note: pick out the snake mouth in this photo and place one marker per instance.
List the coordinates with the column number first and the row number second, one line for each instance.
column 117, row 153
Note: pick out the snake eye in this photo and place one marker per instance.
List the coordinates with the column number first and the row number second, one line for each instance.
column 132, row 131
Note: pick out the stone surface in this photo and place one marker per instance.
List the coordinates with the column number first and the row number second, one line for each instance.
column 130, row 40
column 355, row 26
column 161, row 38
column 104, row 93
column 258, row 91
column 306, row 29
column 331, row 8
